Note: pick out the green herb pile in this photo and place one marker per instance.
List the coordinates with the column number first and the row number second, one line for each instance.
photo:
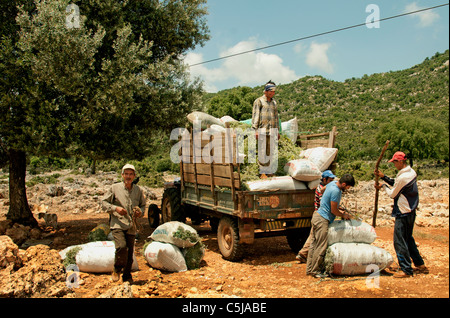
column 186, row 235
column 287, row 151
column 194, row 255
column 71, row 256
column 97, row 234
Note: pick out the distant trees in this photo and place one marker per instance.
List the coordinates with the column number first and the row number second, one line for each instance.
column 236, row 102
column 419, row 138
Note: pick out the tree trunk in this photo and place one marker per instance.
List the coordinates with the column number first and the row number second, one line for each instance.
column 19, row 210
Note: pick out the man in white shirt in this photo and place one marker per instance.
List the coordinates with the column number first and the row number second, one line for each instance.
column 405, row 193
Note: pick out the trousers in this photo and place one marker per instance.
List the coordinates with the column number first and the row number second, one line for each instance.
column 404, row 243
column 319, row 244
column 124, row 244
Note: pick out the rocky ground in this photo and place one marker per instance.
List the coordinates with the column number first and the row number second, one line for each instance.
column 268, row 270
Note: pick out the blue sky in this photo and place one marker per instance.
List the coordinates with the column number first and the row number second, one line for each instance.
column 241, row 25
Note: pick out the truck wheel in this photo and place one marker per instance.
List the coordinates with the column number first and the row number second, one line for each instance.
column 153, row 216
column 297, row 238
column 228, row 239
column 171, row 208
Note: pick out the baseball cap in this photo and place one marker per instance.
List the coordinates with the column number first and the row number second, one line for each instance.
column 398, row 156
column 128, row 166
column 328, row 174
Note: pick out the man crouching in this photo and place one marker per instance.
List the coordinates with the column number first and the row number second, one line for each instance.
column 124, row 202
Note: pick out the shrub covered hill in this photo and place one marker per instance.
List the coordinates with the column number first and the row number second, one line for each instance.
column 409, row 107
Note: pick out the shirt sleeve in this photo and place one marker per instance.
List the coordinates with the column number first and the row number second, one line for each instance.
column 142, row 202
column 256, row 114
column 107, row 201
column 397, row 187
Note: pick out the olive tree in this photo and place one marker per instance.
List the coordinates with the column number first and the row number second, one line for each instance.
column 75, row 84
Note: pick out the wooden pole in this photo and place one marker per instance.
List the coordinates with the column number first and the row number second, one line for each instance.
column 374, row 219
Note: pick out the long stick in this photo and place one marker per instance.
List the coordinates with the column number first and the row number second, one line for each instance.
column 374, row 220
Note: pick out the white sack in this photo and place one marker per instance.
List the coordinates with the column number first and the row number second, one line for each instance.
column 227, row 119
column 312, row 185
column 302, row 170
column 205, row 119
column 322, row 157
column 215, row 129
column 290, row 129
column 351, row 231
column 355, row 259
column 169, row 232
column 96, row 257
column 165, row 256
column 280, row 183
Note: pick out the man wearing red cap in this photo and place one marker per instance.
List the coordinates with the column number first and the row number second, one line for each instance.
column 405, row 193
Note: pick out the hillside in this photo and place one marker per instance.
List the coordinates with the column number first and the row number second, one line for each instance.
column 359, row 107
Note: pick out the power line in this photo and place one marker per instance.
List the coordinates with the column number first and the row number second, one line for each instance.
column 318, row 34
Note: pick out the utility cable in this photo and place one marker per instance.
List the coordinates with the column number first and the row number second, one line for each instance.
column 319, row 34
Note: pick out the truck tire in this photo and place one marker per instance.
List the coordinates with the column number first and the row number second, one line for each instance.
column 171, row 208
column 153, row 215
column 297, row 238
column 228, row 239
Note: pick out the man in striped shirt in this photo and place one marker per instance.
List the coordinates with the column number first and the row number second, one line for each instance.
column 265, row 122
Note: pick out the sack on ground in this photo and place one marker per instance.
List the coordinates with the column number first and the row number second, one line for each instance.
column 177, row 233
column 302, row 170
column 96, row 257
column 276, row 183
column 351, row 231
column 355, row 259
column 322, row 157
column 165, row 256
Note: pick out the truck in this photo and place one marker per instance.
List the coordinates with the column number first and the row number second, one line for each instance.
column 212, row 191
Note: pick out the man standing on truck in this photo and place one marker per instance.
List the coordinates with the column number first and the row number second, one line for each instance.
column 327, row 177
column 328, row 210
column 406, row 199
column 124, row 202
column 265, row 121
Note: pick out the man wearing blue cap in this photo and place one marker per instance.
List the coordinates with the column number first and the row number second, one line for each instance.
column 327, row 212
column 327, row 177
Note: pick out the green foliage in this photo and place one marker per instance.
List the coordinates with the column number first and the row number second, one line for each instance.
column 237, row 103
column 419, row 138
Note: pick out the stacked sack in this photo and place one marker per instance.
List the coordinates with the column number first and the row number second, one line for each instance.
column 349, row 251
column 310, row 165
column 174, row 247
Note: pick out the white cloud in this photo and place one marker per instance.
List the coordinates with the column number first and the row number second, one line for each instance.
column 426, row 18
column 250, row 69
column 317, row 57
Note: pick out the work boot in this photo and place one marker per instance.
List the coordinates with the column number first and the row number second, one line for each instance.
column 422, row 269
column 402, row 274
column 127, row 278
column 301, row 258
column 115, row 276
